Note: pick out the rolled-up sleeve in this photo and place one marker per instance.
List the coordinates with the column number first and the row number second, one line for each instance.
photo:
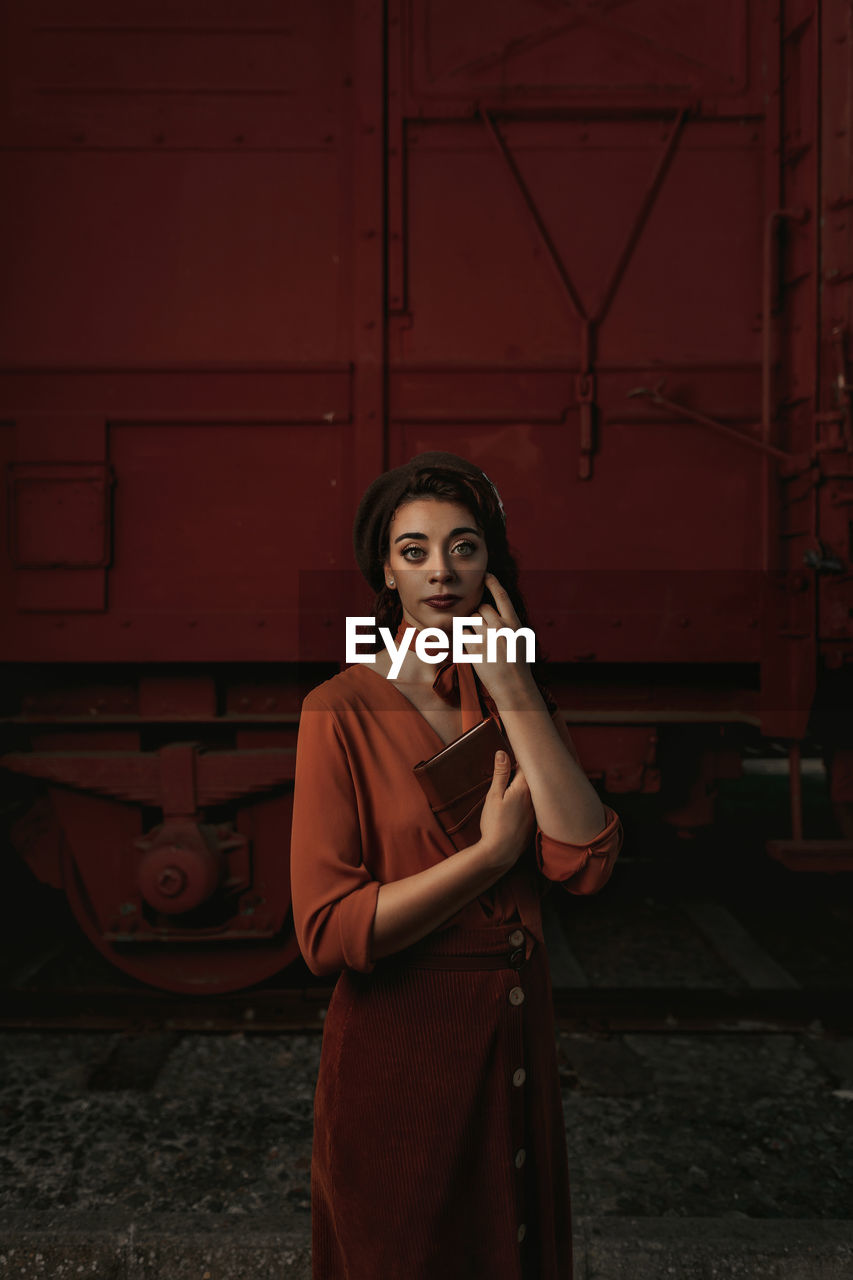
column 333, row 894
column 580, row 868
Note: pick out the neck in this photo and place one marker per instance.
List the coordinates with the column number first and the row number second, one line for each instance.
column 413, row 670
column 444, row 676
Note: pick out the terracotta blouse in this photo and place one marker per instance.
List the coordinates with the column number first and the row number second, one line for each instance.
column 360, row 819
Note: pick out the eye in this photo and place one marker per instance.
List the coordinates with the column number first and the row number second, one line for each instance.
column 412, row 547
column 466, row 547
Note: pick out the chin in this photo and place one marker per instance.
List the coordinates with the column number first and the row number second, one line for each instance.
column 443, row 621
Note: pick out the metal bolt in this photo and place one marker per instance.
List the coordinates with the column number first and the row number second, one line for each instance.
column 171, row 881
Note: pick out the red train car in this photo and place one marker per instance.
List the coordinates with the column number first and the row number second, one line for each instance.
column 254, row 254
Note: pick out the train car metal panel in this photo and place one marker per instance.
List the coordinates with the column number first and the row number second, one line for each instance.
column 251, row 258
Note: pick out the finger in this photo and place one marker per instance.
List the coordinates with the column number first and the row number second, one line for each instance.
column 500, row 777
column 501, row 597
column 485, row 610
column 519, row 782
column 501, row 768
column 475, row 641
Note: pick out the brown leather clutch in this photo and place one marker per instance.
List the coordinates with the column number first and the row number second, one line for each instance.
column 455, row 780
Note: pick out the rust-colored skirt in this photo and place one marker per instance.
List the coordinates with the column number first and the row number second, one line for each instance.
column 439, row 1143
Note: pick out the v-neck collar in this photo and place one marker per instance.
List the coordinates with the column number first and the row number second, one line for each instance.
column 391, row 686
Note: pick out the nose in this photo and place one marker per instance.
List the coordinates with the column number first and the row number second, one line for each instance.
column 440, row 569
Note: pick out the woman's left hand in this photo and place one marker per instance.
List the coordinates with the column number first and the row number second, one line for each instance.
column 500, row 676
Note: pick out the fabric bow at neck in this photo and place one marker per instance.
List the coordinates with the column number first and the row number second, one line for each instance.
column 457, row 684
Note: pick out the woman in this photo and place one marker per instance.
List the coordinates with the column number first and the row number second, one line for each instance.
column 439, row 1145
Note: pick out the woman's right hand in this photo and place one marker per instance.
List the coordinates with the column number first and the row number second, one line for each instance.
column 507, row 820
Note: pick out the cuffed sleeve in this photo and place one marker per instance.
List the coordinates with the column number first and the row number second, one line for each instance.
column 581, row 868
column 333, row 894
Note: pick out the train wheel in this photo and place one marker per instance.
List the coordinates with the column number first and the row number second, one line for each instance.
column 202, row 968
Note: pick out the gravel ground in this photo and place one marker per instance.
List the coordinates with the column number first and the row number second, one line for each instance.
column 732, row 1125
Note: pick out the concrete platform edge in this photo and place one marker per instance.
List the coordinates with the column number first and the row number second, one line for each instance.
column 117, row 1245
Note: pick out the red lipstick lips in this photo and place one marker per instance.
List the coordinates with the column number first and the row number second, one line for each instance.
column 442, row 602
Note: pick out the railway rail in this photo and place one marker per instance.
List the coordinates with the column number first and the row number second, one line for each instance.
column 302, row 1009
column 62, row 984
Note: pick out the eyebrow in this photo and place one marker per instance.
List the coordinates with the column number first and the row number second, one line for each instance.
column 452, row 534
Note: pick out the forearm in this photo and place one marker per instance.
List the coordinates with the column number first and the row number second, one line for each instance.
column 408, row 909
column 566, row 804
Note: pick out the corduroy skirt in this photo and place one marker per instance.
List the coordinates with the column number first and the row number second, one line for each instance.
column 439, row 1142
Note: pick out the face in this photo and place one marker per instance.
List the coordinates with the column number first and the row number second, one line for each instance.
column 437, row 561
